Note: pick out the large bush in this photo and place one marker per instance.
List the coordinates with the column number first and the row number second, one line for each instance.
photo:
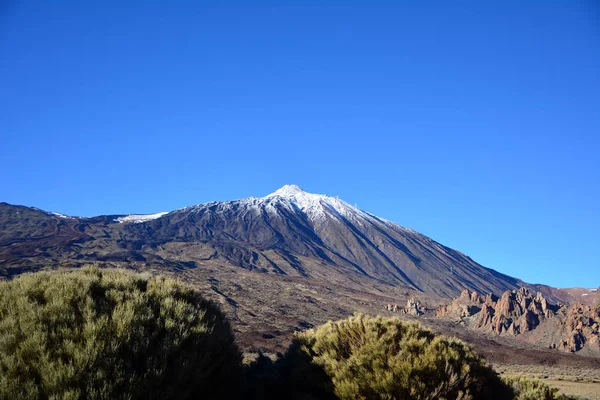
column 108, row 334
column 366, row 357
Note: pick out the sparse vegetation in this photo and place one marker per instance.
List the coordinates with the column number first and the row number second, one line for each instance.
column 560, row 373
column 530, row 389
column 104, row 334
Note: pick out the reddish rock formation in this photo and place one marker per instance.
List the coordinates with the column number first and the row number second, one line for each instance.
column 413, row 307
column 466, row 305
column 518, row 312
column 581, row 325
column 486, row 315
column 392, row 307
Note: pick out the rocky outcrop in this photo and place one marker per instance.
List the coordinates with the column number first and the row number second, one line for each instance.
column 413, row 307
column 486, row 315
column 514, row 313
column 581, row 327
column 518, row 312
column 466, row 305
column 392, row 307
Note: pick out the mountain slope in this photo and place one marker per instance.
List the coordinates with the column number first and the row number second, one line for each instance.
column 272, row 234
column 289, row 232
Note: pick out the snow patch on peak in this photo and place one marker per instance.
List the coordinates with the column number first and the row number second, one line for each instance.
column 139, row 218
column 297, row 196
column 315, row 205
column 288, row 191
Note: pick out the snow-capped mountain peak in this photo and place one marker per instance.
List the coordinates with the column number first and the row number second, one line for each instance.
column 297, row 196
column 314, row 205
column 288, row 191
column 317, row 207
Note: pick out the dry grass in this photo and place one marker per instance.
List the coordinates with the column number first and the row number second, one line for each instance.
column 583, row 382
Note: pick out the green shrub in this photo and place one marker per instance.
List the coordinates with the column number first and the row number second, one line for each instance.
column 530, row 389
column 366, row 357
column 108, row 334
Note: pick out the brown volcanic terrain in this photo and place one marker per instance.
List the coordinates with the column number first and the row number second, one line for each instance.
column 588, row 297
column 285, row 262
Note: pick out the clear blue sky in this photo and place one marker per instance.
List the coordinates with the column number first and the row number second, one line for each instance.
column 475, row 124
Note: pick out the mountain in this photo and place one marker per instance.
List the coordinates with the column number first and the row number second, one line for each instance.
column 285, row 262
column 289, row 232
